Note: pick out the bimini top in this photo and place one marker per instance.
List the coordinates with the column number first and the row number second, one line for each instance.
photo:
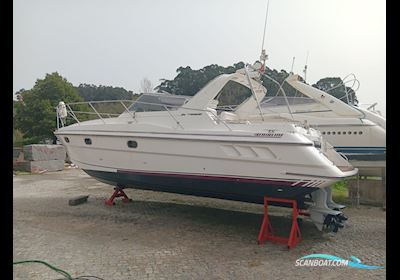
column 338, row 106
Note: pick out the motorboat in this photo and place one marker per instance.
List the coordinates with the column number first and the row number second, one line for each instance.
column 358, row 133
column 181, row 145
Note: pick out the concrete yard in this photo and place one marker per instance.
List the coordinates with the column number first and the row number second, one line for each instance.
column 168, row 236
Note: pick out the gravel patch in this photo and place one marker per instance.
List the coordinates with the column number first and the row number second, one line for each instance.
column 169, row 236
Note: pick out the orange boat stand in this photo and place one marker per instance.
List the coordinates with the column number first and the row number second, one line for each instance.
column 117, row 193
column 266, row 232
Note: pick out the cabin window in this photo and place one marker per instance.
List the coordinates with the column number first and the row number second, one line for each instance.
column 349, row 132
column 339, row 133
column 66, row 139
column 355, row 132
column 323, row 132
column 333, row 132
column 329, row 133
column 88, row 141
column 344, row 132
column 360, row 132
column 132, row 144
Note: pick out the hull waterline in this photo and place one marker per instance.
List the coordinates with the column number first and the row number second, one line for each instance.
column 236, row 189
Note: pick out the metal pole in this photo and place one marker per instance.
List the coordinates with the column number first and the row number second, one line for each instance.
column 291, row 69
column 384, row 187
column 253, row 92
column 58, row 125
column 90, row 104
column 265, row 27
column 358, row 192
column 177, row 122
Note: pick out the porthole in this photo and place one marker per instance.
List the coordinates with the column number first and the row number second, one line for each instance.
column 323, row 132
column 360, row 132
column 132, row 144
column 329, row 133
column 349, row 132
column 88, row 141
column 344, row 132
column 339, row 133
column 355, row 132
column 333, row 132
column 66, row 139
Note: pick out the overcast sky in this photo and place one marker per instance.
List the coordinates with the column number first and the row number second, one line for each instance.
column 120, row 42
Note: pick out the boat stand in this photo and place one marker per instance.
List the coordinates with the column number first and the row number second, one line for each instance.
column 119, row 192
column 266, row 232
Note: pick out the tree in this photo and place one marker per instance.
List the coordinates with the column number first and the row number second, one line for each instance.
column 272, row 88
column 189, row 82
column 335, row 87
column 17, row 134
column 18, row 95
column 100, row 93
column 146, row 86
column 36, row 116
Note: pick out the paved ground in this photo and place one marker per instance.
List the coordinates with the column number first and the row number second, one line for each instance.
column 167, row 236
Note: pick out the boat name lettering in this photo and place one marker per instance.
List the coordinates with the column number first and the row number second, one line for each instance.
column 270, row 134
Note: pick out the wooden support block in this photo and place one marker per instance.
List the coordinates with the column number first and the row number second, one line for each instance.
column 78, row 200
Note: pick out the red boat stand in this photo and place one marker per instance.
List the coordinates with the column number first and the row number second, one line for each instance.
column 117, row 193
column 266, row 232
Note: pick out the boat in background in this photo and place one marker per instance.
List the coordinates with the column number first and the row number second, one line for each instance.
column 358, row 134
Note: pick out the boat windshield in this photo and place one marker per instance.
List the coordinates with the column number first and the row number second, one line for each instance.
column 231, row 96
column 158, row 102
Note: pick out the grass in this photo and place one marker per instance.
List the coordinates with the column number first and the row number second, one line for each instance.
column 22, row 173
column 340, row 192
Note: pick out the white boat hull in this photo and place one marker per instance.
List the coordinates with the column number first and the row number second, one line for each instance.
column 238, row 170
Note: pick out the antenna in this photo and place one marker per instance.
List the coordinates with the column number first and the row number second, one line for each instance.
column 305, row 68
column 264, row 55
column 291, row 70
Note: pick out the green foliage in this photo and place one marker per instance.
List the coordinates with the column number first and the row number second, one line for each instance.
column 272, row 88
column 100, row 93
column 338, row 92
column 189, row 81
column 233, row 94
column 340, row 186
column 36, row 116
column 340, row 191
column 111, row 109
column 15, row 104
column 18, row 138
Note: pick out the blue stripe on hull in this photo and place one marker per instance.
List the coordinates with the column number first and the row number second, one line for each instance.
column 366, row 157
column 360, row 151
column 363, row 153
column 238, row 191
